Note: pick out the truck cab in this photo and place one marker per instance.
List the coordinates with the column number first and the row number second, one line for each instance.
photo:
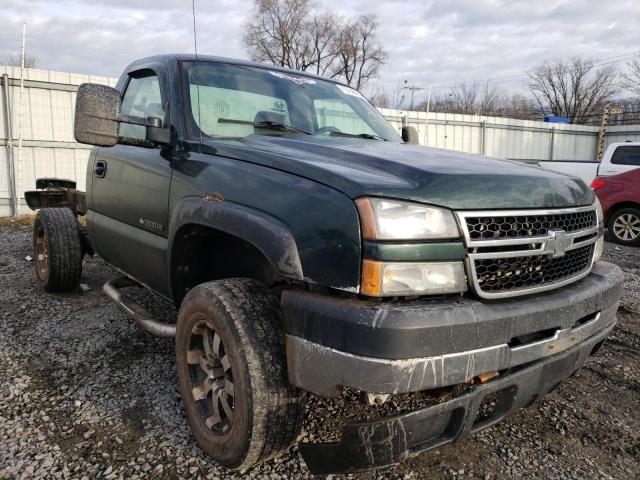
column 619, row 158
column 312, row 250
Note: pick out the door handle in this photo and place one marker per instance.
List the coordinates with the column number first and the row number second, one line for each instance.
column 100, row 168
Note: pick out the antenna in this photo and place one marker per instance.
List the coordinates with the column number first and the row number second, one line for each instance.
column 195, row 48
column 195, row 35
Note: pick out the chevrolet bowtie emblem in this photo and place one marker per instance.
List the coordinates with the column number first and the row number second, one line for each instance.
column 557, row 244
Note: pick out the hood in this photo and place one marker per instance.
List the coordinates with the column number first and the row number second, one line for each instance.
column 359, row 167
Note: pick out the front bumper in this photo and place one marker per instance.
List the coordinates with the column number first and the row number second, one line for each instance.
column 382, row 347
column 380, row 443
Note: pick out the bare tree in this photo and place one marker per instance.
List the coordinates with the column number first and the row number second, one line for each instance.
column 469, row 98
column 631, row 79
column 319, row 42
column 276, row 33
column 572, row 88
column 464, row 97
column 290, row 33
column 442, row 103
column 491, row 100
column 518, row 106
column 30, row 61
column 622, row 111
column 359, row 56
column 381, row 97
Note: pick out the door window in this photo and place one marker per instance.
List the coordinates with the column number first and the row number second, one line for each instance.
column 141, row 99
column 626, row 156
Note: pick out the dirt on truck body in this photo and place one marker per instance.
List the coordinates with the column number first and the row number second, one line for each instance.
column 334, row 257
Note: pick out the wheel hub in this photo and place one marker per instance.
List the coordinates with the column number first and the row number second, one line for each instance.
column 42, row 253
column 627, row 227
column 211, row 376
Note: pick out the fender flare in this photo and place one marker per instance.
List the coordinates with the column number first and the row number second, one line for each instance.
column 268, row 234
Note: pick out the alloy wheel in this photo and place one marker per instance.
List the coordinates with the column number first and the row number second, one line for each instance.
column 627, row 227
column 211, row 377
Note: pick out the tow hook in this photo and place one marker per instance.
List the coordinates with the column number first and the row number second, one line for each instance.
column 485, row 377
column 376, row 398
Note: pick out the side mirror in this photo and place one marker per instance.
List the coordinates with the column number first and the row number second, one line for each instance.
column 410, row 135
column 155, row 132
column 97, row 115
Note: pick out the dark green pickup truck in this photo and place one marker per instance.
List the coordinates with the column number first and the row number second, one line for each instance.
column 309, row 247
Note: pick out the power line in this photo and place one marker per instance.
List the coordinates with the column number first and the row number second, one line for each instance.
column 532, row 106
column 513, row 78
column 521, row 77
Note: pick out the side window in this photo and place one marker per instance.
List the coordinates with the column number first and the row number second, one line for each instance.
column 336, row 113
column 142, row 99
column 626, row 156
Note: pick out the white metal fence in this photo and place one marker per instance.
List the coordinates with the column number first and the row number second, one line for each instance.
column 49, row 148
column 509, row 138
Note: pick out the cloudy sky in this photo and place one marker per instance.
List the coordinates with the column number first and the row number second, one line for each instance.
column 444, row 42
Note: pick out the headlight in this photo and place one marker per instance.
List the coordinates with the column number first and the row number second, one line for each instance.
column 381, row 279
column 600, row 214
column 395, row 220
column 599, row 248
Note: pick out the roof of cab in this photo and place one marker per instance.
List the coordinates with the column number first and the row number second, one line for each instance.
column 190, row 57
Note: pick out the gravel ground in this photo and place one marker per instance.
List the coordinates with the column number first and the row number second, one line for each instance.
column 84, row 393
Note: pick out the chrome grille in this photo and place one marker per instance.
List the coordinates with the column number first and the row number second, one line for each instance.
column 501, row 226
column 506, row 274
column 512, row 253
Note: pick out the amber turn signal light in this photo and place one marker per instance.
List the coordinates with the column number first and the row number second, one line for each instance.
column 371, row 278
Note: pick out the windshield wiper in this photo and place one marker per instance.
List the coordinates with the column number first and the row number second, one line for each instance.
column 266, row 124
column 369, row 136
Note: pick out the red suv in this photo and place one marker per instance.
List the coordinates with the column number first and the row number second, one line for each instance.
column 620, row 198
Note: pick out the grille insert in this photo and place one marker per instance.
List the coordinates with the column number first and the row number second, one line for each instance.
column 512, row 226
column 494, row 275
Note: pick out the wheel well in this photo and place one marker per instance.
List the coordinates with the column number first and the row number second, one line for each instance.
column 619, row 206
column 201, row 254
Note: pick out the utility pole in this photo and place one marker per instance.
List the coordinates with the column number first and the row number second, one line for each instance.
column 603, row 131
column 426, row 119
column 20, row 122
column 413, row 89
column 8, row 123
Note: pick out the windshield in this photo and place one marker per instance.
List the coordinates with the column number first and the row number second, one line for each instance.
column 234, row 101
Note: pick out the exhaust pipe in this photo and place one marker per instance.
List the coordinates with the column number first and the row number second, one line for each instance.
column 140, row 315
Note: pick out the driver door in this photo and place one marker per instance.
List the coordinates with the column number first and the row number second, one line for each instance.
column 130, row 189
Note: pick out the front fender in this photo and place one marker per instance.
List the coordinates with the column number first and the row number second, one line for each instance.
column 267, row 234
column 309, row 231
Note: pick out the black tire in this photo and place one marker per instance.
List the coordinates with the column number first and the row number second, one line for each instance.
column 624, row 227
column 57, row 250
column 267, row 411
